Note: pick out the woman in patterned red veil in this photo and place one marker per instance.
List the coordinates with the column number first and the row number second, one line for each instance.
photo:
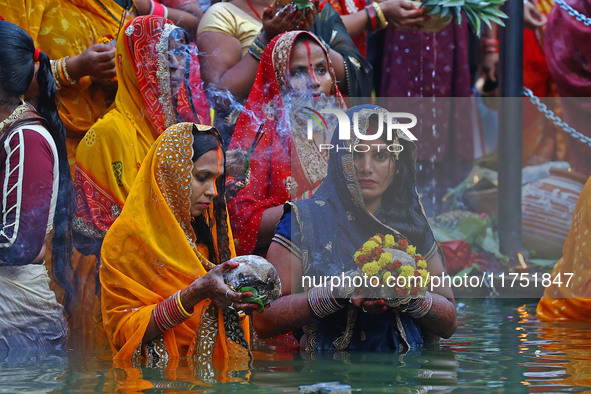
column 284, row 164
column 155, row 69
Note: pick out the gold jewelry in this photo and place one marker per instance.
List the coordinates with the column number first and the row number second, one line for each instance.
column 380, row 15
column 180, row 305
column 208, row 264
column 65, row 70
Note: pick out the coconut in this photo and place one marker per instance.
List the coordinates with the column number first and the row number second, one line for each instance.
column 257, row 275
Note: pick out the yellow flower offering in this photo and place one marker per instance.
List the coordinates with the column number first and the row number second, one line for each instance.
column 395, row 266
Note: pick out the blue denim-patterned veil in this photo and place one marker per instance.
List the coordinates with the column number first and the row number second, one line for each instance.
column 328, row 228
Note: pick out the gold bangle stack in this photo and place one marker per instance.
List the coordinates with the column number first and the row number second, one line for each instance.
column 380, row 15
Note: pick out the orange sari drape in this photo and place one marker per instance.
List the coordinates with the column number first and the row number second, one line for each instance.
column 151, row 252
column 572, row 301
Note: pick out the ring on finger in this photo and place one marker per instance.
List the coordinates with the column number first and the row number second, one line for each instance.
column 227, row 291
column 363, row 309
column 231, row 306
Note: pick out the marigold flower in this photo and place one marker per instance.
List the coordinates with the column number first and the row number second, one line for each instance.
column 402, row 244
column 389, row 241
column 369, row 246
column 426, row 277
column 422, row 264
column 410, row 249
column 370, row 269
column 407, row 271
column 376, row 253
column 385, row 259
column 385, row 277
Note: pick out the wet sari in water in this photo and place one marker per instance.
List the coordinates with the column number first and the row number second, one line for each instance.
column 32, row 321
column 152, row 251
column 325, row 231
column 284, row 165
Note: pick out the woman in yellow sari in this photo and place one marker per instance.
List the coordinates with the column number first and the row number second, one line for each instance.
column 162, row 260
column 569, row 295
column 154, row 70
column 153, row 66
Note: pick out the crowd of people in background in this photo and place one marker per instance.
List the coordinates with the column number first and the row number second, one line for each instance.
column 147, row 142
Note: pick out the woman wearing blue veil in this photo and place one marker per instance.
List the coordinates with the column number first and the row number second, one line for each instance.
column 369, row 190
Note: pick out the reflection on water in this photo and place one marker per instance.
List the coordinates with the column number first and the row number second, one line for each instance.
column 499, row 346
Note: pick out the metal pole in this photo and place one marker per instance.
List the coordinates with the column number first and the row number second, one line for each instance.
column 510, row 129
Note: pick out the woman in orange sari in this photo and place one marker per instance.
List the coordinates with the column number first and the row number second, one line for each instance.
column 569, row 295
column 163, row 258
column 155, row 69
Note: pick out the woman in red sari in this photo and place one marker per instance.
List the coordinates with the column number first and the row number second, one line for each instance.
column 285, row 165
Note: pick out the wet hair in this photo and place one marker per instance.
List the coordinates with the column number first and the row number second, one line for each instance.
column 17, row 68
column 204, row 142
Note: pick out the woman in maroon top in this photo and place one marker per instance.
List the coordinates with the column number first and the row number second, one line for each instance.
column 36, row 198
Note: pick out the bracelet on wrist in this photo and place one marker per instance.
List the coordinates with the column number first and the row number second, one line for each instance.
column 371, row 14
column 158, row 9
column 56, row 77
column 322, row 302
column 170, row 313
column 420, row 307
column 64, row 71
column 257, row 48
column 382, row 22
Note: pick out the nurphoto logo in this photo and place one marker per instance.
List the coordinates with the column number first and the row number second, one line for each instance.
column 387, row 122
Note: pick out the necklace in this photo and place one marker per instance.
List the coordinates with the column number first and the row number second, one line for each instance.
column 207, row 264
column 253, row 9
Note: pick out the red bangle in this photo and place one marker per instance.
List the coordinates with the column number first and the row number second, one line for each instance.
column 372, row 17
column 158, row 9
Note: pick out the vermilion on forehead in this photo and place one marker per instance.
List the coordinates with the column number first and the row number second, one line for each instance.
column 310, row 61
